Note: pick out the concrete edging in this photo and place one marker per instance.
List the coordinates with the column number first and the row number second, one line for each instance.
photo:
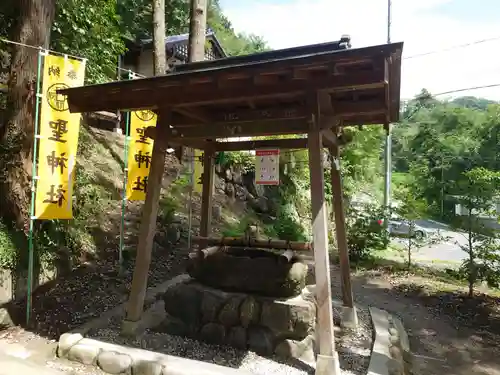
column 117, row 359
column 391, row 349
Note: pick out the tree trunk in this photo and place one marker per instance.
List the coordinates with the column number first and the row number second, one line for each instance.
column 197, row 30
column 159, row 52
column 35, row 19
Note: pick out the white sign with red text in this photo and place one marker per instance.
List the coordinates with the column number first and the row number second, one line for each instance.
column 267, row 167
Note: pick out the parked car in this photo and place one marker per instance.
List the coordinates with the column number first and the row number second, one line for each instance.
column 402, row 228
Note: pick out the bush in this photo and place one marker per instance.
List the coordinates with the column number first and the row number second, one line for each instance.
column 166, row 211
column 364, row 233
column 8, row 254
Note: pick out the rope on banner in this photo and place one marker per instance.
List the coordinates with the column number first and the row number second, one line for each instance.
column 125, row 181
column 41, row 53
column 46, row 50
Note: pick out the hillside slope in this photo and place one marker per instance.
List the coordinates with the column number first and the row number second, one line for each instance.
column 92, row 238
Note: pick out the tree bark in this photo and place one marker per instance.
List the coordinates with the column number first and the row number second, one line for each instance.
column 159, row 52
column 197, row 30
column 33, row 28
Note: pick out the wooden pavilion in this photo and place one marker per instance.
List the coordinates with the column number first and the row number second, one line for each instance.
column 314, row 90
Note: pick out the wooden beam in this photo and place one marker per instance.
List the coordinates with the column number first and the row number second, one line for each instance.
column 355, row 108
column 251, row 242
column 153, row 96
column 254, row 115
column 207, row 192
column 320, row 241
column 196, row 114
column 340, row 228
column 327, row 353
column 205, row 95
column 239, row 130
column 148, row 227
column 283, row 144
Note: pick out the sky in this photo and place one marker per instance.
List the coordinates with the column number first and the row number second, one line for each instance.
column 423, row 26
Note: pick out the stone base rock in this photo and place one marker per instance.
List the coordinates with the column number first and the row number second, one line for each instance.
column 248, row 270
column 349, row 317
column 262, row 324
column 328, row 365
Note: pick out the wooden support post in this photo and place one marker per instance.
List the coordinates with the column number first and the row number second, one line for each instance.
column 207, row 192
column 327, row 361
column 349, row 316
column 148, row 228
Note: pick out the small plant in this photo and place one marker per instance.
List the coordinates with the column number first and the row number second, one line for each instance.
column 166, row 211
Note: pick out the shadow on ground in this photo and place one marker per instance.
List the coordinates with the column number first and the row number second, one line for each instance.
column 448, row 334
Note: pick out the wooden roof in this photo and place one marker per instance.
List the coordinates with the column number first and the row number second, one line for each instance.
column 264, row 93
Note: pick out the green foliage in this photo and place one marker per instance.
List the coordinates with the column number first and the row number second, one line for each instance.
column 289, row 229
column 233, row 44
column 478, row 189
column 137, row 15
column 437, row 141
column 364, row 233
column 90, row 29
column 166, row 211
column 8, row 253
column 238, row 228
column 242, row 159
column 411, row 209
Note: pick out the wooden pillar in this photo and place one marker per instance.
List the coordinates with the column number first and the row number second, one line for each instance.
column 327, row 360
column 349, row 317
column 207, row 192
column 148, row 227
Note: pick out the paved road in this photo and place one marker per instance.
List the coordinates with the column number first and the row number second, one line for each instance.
column 446, row 251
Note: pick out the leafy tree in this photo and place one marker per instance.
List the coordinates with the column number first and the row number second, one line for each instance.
column 411, row 210
column 478, row 190
column 90, row 29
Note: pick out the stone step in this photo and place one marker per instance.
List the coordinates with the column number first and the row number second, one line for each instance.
column 117, row 359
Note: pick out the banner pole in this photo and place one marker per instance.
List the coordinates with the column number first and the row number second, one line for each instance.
column 125, row 181
column 191, row 190
column 32, row 205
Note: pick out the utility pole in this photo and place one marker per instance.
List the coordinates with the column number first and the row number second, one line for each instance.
column 388, row 136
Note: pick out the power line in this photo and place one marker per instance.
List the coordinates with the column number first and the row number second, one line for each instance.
column 468, row 89
column 470, row 44
column 456, row 90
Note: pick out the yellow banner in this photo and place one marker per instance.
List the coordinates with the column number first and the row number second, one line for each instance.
column 58, row 139
column 140, row 151
column 198, row 171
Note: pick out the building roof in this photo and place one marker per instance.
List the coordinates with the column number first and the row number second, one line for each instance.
column 264, row 93
column 182, row 39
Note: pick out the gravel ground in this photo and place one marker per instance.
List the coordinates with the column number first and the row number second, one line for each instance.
column 88, row 292
column 354, row 349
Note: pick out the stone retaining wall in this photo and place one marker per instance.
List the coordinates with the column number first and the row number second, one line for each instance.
column 13, row 285
column 117, row 359
column 265, row 325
